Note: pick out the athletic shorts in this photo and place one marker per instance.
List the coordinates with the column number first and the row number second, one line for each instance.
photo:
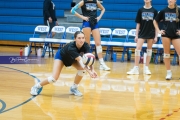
column 177, row 37
column 50, row 24
column 58, row 55
column 145, row 38
column 87, row 24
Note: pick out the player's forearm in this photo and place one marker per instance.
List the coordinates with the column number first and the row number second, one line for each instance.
column 137, row 28
column 102, row 13
column 78, row 15
column 73, row 10
column 156, row 26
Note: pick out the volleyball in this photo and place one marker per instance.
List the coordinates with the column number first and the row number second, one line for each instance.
column 88, row 59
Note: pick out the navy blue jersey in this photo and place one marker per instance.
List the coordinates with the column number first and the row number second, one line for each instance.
column 168, row 17
column 145, row 17
column 89, row 9
column 49, row 10
column 70, row 51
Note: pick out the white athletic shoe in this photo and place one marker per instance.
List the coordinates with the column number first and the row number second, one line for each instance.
column 169, row 76
column 35, row 90
column 75, row 91
column 147, row 72
column 134, row 71
column 103, row 66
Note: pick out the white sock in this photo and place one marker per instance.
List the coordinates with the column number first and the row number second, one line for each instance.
column 101, row 60
column 74, row 85
column 168, row 71
column 146, row 68
column 136, row 67
column 38, row 85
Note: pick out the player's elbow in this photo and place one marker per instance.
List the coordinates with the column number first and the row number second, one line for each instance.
column 71, row 10
column 154, row 22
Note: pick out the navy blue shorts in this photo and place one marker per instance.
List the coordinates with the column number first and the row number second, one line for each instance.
column 87, row 24
column 58, row 55
column 176, row 37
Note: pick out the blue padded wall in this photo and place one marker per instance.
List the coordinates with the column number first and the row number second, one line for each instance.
column 18, row 18
column 122, row 13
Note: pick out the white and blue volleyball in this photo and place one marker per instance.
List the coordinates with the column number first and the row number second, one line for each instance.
column 88, row 59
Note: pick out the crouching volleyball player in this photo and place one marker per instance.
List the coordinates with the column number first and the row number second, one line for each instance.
column 69, row 55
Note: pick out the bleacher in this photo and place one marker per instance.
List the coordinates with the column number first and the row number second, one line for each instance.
column 122, row 13
column 18, row 18
column 22, row 16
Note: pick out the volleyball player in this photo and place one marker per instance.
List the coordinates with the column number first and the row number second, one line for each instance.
column 69, row 55
column 170, row 32
column 144, row 31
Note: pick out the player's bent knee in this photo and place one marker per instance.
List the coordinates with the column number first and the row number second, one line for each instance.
column 166, row 55
column 137, row 52
column 99, row 49
column 149, row 52
column 81, row 72
column 51, row 79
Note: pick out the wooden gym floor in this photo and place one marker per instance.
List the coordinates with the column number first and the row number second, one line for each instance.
column 112, row 96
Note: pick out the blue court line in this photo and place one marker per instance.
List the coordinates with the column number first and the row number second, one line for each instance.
column 18, row 105
column 3, row 105
column 2, row 110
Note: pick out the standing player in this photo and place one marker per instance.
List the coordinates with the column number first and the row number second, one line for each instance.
column 69, row 55
column 49, row 13
column 170, row 31
column 144, row 31
column 90, row 24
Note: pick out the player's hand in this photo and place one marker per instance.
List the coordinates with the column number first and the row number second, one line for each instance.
column 57, row 23
column 178, row 32
column 155, row 40
column 94, row 74
column 85, row 18
column 162, row 32
column 50, row 19
column 98, row 18
column 91, row 72
column 136, row 39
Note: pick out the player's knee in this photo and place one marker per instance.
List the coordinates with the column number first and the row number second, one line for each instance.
column 99, row 49
column 87, row 37
column 166, row 55
column 137, row 52
column 51, row 79
column 98, row 43
column 149, row 52
column 81, row 72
